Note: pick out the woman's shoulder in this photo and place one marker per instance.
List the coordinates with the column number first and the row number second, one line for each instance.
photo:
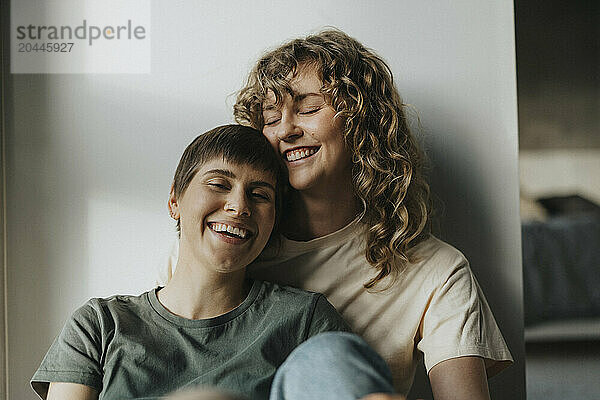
column 290, row 299
column 435, row 261
column 434, row 250
column 99, row 308
column 117, row 299
column 312, row 307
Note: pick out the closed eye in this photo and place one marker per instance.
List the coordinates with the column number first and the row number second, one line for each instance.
column 271, row 121
column 220, row 186
column 309, row 111
column 271, row 116
column 261, row 196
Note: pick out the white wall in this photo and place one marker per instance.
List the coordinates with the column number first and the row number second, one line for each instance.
column 90, row 157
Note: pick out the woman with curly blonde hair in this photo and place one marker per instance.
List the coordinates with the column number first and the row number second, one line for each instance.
column 355, row 224
column 387, row 163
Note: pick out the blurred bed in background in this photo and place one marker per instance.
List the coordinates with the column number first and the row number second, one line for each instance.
column 561, row 274
column 560, row 216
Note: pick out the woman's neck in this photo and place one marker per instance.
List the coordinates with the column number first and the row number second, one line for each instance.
column 312, row 215
column 195, row 293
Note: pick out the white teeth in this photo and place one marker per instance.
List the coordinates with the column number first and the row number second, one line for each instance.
column 298, row 154
column 241, row 232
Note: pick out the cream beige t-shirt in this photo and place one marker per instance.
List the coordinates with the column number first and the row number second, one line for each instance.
column 435, row 306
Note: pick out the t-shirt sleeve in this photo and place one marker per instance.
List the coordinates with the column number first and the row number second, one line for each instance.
column 325, row 318
column 75, row 356
column 458, row 322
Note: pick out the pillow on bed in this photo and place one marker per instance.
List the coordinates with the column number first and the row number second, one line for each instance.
column 568, row 205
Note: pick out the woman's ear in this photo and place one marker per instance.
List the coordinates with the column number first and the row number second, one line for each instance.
column 173, row 205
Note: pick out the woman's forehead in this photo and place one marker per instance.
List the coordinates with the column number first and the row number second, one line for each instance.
column 305, row 82
column 237, row 170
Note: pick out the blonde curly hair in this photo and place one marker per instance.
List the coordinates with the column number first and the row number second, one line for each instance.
column 388, row 162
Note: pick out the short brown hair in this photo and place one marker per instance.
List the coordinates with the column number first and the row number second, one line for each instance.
column 236, row 144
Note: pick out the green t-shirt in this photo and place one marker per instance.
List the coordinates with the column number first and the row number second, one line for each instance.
column 131, row 347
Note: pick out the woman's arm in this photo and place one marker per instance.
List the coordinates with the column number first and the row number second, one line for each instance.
column 456, row 379
column 71, row 391
column 460, row 378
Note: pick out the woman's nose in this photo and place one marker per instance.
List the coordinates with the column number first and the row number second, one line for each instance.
column 288, row 129
column 237, row 204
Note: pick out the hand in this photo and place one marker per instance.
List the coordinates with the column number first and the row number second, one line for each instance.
column 383, row 396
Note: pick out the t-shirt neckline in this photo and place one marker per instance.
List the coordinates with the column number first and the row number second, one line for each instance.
column 353, row 229
column 203, row 323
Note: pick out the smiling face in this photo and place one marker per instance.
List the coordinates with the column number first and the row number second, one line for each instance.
column 303, row 130
column 226, row 215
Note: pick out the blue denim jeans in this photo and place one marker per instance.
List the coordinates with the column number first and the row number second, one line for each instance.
column 332, row 366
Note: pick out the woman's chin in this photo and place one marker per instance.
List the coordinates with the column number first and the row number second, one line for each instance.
column 302, row 182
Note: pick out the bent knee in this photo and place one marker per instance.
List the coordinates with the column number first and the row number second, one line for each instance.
column 333, row 342
column 330, row 347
